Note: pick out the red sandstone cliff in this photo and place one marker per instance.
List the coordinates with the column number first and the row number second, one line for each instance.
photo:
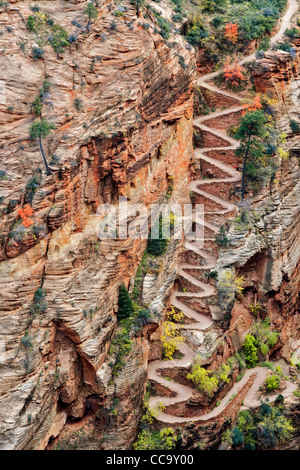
column 121, row 102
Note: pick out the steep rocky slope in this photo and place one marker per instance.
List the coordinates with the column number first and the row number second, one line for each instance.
column 121, row 103
column 263, row 250
column 121, row 100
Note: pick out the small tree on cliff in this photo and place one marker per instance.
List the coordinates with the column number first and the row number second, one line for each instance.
column 125, row 303
column 91, row 12
column 41, row 129
column 251, row 130
column 138, row 5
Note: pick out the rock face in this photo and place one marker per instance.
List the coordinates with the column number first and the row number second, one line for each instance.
column 267, row 254
column 121, row 102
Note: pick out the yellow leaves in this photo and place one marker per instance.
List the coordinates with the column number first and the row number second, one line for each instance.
column 42, row 16
column 204, row 379
column 283, row 154
column 174, row 316
column 171, row 337
column 230, row 285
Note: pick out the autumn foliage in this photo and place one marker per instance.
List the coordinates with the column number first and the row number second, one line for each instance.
column 231, row 32
column 25, row 214
column 233, row 73
column 255, row 106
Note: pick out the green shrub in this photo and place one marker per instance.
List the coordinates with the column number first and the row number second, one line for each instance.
column 125, row 303
column 37, row 107
column 292, row 33
column 39, row 304
column 295, row 126
column 58, row 38
column 221, row 237
column 237, row 437
column 163, row 439
column 250, row 349
column 38, row 53
column 78, row 104
column 275, row 428
column 31, row 26
column 203, row 379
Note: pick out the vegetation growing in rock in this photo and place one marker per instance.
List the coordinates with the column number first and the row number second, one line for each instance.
column 259, row 143
column 231, row 26
column 266, row 428
column 91, row 12
column 221, row 237
column 40, row 130
column 153, row 439
column 229, row 285
column 209, row 381
column 125, row 309
column 233, row 74
column 171, row 337
column 47, row 32
column 162, row 439
column 258, row 342
column 163, row 227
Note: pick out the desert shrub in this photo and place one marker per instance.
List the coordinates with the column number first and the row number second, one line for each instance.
column 78, row 104
column 3, row 175
column 255, row 309
column 292, row 33
column 38, row 53
column 221, row 237
column 266, row 336
column 33, row 185
column 39, row 304
column 162, row 224
column 58, row 38
column 295, row 126
column 47, row 32
column 264, row 44
column 37, row 106
column 266, row 426
column 274, row 428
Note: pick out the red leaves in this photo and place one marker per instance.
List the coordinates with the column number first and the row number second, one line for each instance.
column 231, row 32
column 25, row 213
column 233, row 73
column 255, row 106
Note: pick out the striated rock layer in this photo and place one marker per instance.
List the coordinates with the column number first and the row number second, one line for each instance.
column 121, row 102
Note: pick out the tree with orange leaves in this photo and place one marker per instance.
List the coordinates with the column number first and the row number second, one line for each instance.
column 233, row 73
column 254, row 106
column 231, row 32
column 25, row 213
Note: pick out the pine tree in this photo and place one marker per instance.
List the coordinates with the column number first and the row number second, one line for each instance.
column 125, row 303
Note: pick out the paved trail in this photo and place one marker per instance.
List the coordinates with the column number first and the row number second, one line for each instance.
column 204, row 290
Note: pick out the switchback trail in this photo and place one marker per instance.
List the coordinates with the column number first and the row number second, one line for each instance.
column 214, row 204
